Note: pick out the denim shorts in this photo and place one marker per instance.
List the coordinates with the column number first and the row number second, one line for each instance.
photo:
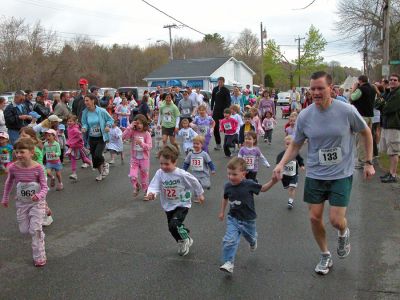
column 54, row 166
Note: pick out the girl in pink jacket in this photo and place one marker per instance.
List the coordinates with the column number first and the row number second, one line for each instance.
column 76, row 145
column 141, row 144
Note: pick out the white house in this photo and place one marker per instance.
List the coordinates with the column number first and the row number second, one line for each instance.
column 202, row 73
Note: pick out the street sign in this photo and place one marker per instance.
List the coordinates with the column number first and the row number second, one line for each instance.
column 395, row 62
column 385, row 70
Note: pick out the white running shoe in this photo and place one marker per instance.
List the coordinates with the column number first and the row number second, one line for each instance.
column 47, row 220
column 99, row 177
column 106, row 169
column 73, row 176
column 227, row 267
column 111, row 162
column 84, row 166
column 324, row 264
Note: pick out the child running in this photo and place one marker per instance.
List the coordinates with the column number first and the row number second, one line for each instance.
column 53, row 163
column 235, row 110
column 291, row 125
column 31, row 192
column 252, row 155
column 141, row 144
column 228, row 125
column 187, row 134
column 28, row 132
column 115, row 144
column 76, row 145
column 168, row 120
column 175, row 187
column 6, row 150
column 205, row 125
column 241, row 220
column 245, row 128
column 290, row 172
column 268, row 125
column 200, row 163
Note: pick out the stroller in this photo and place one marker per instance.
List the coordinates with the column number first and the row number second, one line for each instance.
column 285, row 111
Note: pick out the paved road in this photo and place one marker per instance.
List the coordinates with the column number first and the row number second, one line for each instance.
column 105, row 245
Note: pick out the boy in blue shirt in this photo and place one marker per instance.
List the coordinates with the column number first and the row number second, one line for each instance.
column 239, row 192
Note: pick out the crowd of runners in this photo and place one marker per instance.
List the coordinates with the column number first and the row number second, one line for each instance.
column 36, row 139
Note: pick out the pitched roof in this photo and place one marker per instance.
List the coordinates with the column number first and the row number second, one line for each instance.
column 185, row 68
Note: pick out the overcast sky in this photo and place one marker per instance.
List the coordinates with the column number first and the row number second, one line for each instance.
column 134, row 22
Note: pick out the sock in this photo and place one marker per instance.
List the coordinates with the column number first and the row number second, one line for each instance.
column 342, row 235
column 291, row 200
column 327, row 252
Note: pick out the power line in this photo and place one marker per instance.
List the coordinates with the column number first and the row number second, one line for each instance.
column 305, row 7
column 169, row 16
column 343, row 53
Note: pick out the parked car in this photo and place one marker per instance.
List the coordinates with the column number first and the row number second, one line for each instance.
column 283, row 98
column 136, row 91
column 109, row 89
column 9, row 96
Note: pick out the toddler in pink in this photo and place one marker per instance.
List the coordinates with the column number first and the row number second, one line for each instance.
column 75, row 143
column 30, row 197
column 141, row 144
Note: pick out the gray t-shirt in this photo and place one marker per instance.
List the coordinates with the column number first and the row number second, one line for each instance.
column 186, row 107
column 330, row 135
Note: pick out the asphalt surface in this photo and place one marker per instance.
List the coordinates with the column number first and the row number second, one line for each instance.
column 104, row 244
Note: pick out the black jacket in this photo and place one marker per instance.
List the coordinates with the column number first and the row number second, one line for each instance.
column 241, row 133
column 42, row 110
column 220, row 99
column 365, row 104
column 11, row 116
column 78, row 106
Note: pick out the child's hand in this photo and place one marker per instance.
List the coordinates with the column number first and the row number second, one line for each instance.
column 303, row 168
column 200, row 199
column 83, row 130
column 150, row 197
column 35, row 198
column 221, row 216
column 213, row 172
column 5, row 204
column 107, row 129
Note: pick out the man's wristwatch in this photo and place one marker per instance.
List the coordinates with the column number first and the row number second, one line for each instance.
column 369, row 162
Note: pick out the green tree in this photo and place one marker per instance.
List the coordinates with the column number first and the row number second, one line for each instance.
column 274, row 68
column 311, row 59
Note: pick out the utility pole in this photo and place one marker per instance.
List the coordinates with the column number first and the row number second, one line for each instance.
column 171, row 55
column 263, row 36
column 386, row 36
column 298, row 58
column 365, row 52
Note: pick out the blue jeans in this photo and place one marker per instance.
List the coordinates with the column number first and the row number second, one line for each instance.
column 13, row 136
column 235, row 228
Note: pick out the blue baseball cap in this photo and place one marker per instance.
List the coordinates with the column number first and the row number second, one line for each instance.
column 61, row 126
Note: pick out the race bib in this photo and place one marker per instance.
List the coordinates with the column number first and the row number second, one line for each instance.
column 167, row 118
column 186, row 136
column 203, row 130
column 176, row 194
column 186, row 111
column 290, row 168
column 331, row 156
column 25, row 190
column 250, row 160
column 228, row 126
column 197, row 164
column 51, row 156
column 159, row 133
column 95, row 131
column 4, row 158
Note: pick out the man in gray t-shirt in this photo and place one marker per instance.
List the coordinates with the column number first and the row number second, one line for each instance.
column 329, row 126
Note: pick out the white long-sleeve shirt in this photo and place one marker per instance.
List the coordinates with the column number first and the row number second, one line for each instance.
column 175, row 188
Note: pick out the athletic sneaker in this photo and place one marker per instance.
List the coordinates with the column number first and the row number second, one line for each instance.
column 227, row 267
column 73, row 176
column 52, row 181
column 389, row 179
column 99, row 177
column 84, row 166
column 184, row 245
column 40, row 263
column 111, row 162
column 106, row 169
column 343, row 248
column 290, row 204
column 324, row 264
column 60, row 187
column 47, row 220
column 385, row 175
column 253, row 247
column 217, row 147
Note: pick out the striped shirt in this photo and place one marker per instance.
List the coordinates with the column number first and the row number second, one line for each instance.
column 18, row 174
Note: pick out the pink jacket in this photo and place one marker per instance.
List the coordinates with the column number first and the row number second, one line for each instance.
column 75, row 139
column 133, row 135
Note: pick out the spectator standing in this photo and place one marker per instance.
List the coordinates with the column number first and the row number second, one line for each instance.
column 220, row 100
column 390, row 138
column 61, row 109
column 40, row 107
column 79, row 101
column 16, row 116
column 28, row 100
column 363, row 98
column 3, row 103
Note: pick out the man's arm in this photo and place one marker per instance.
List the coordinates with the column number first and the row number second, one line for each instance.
column 366, row 135
column 356, row 95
